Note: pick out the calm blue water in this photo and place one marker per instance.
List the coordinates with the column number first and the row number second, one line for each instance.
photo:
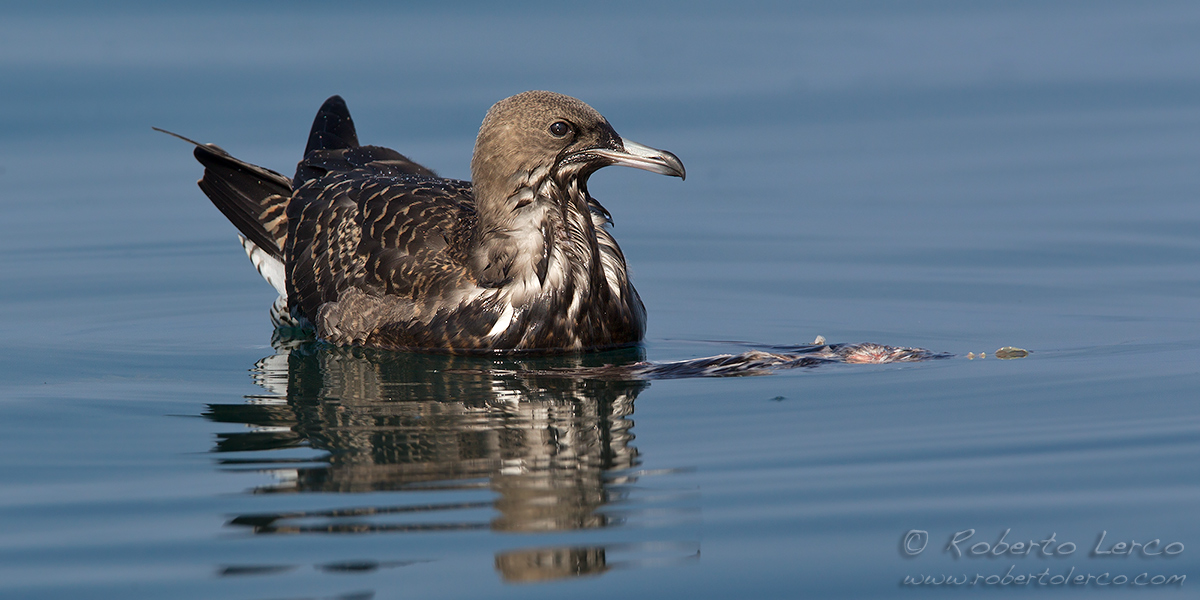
column 957, row 177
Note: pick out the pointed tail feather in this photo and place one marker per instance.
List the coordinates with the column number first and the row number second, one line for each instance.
column 253, row 198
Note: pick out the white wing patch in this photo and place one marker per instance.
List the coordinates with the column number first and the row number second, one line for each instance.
column 504, row 321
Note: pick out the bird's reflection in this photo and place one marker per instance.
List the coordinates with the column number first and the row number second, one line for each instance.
column 508, row 444
column 552, row 449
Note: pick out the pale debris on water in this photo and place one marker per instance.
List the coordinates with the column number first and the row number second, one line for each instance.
column 1005, row 353
column 1010, row 352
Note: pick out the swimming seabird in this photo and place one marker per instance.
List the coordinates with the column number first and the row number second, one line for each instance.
column 370, row 248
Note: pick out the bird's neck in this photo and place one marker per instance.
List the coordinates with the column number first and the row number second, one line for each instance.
column 535, row 237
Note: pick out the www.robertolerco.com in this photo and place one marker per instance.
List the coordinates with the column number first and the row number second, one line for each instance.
column 962, row 545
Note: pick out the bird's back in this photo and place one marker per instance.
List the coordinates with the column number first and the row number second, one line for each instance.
column 374, row 240
column 369, row 248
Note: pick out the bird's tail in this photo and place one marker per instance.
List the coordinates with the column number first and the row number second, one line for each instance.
column 253, row 198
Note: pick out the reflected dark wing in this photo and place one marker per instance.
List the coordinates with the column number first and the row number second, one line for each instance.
column 400, row 236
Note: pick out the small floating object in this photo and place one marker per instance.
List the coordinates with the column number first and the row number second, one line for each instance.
column 1009, row 353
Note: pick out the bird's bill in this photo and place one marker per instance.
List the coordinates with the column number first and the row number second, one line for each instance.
column 643, row 157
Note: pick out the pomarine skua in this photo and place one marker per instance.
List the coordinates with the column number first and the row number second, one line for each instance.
column 369, row 248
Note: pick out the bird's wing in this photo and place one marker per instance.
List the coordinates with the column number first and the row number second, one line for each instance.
column 368, row 160
column 333, row 147
column 400, row 238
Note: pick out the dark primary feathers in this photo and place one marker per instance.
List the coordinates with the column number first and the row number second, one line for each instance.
column 377, row 250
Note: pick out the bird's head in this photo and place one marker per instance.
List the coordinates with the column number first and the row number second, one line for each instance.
column 535, row 135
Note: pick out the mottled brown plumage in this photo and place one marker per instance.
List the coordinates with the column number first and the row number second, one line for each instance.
column 376, row 250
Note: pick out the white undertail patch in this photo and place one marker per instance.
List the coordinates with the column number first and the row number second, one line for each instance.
column 268, row 266
column 272, row 270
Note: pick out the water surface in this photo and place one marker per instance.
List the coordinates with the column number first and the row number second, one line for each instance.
column 955, row 177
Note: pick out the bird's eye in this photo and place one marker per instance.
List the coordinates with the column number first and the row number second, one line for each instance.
column 559, row 129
